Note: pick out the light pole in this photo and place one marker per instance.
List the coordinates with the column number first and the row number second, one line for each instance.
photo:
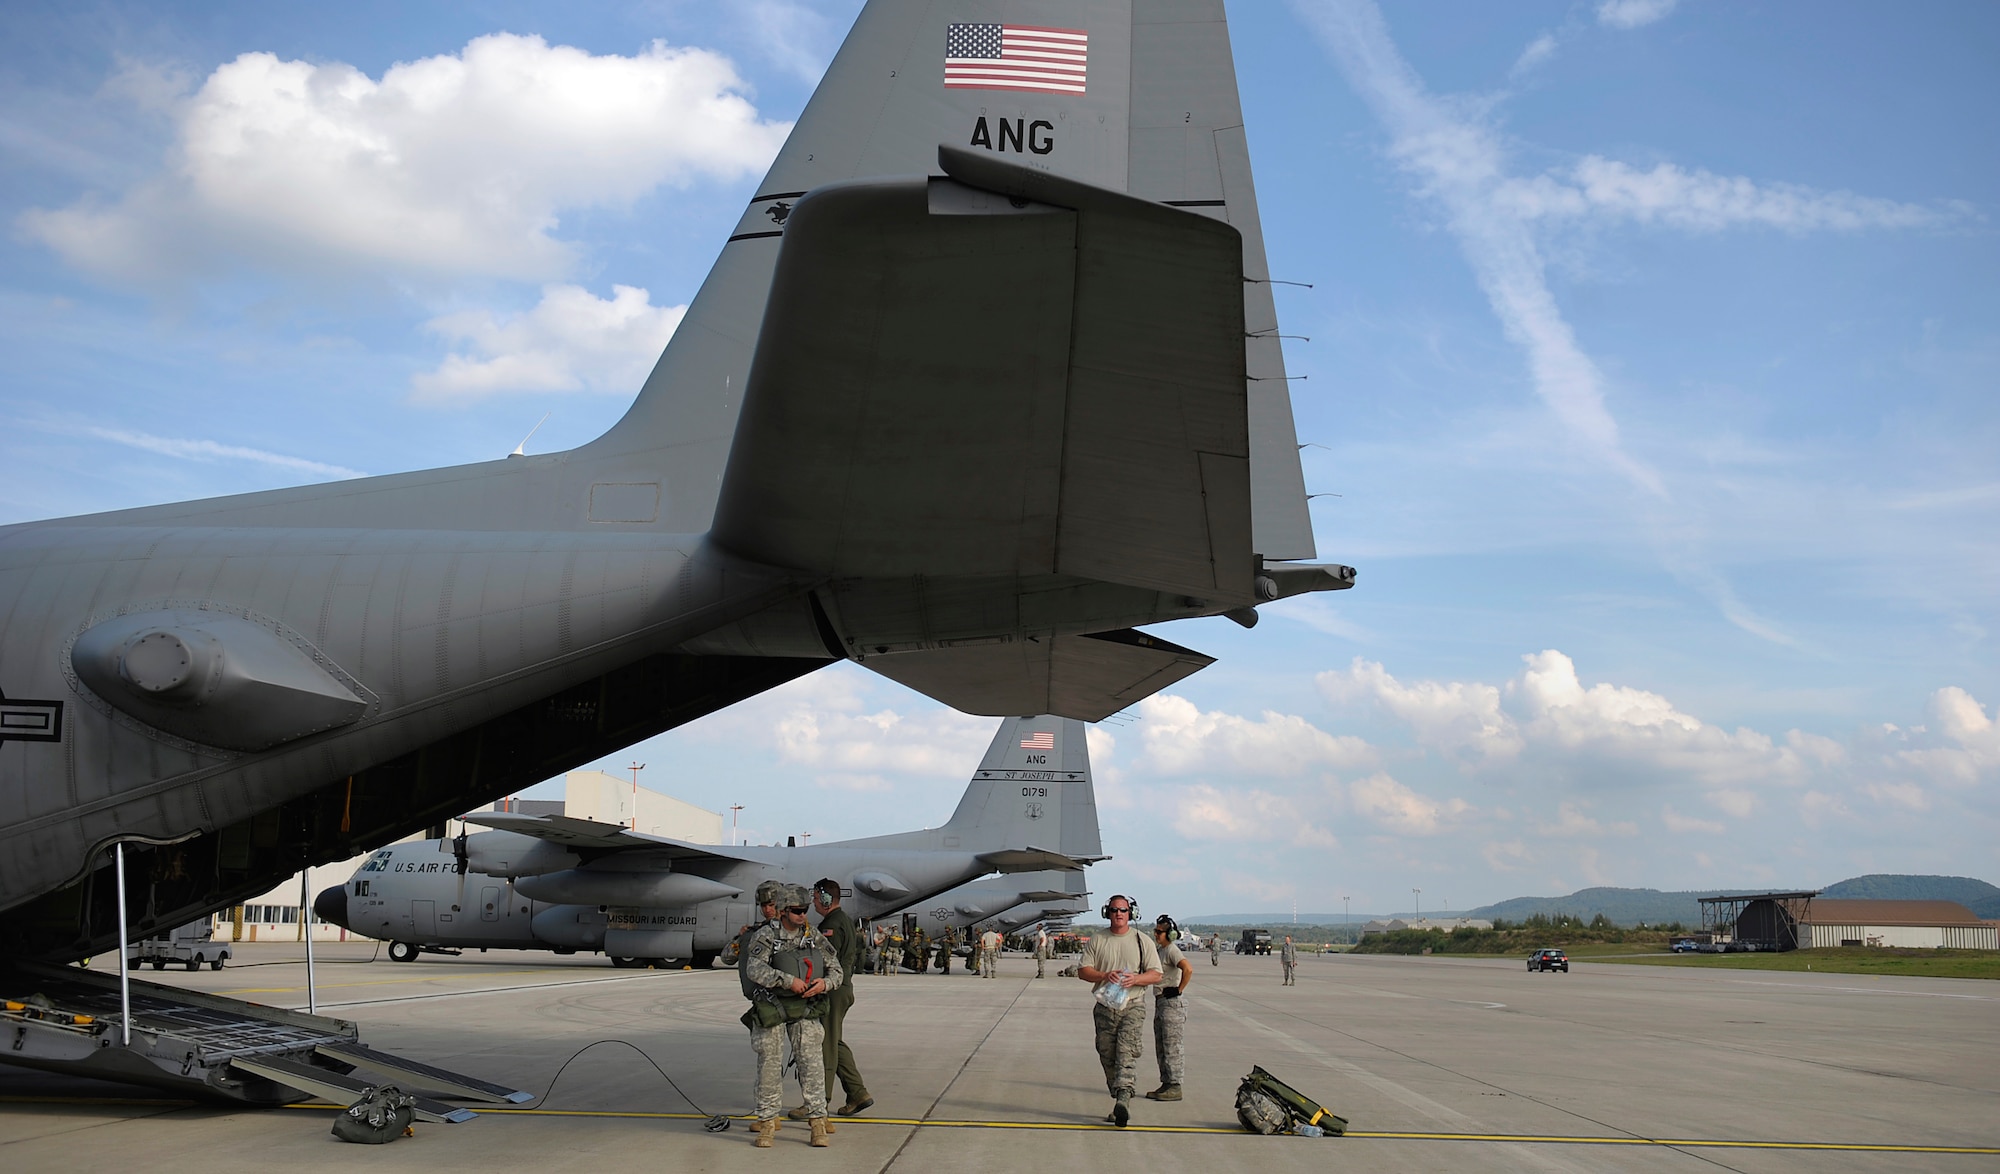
column 733, row 809
column 1419, row 893
column 1343, row 915
column 636, row 768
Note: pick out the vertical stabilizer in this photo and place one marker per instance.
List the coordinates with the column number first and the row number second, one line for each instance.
column 1130, row 95
column 882, row 109
column 1032, row 789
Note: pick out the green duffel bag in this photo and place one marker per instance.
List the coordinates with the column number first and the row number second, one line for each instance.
column 1299, row 1109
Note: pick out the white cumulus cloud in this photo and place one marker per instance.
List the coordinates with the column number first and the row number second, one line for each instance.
column 1177, row 737
column 826, row 721
column 1462, row 718
column 1547, row 717
column 571, row 340
column 1394, row 806
column 1203, row 812
column 452, row 165
column 1631, row 14
column 1965, row 746
column 1676, row 822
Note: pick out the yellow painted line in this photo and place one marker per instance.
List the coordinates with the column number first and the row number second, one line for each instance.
column 1100, row 1126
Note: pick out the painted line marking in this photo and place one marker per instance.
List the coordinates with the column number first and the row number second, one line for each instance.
column 1373, row 1135
column 1865, row 990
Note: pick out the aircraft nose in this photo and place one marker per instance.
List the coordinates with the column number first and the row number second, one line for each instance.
column 331, row 906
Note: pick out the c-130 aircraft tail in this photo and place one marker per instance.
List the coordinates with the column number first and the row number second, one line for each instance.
column 985, row 381
column 552, row 882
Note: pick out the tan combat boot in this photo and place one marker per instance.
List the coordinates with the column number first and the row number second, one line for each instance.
column 820, row 1130
column 767, row 1129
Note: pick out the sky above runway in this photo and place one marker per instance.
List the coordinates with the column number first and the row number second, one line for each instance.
column 1652, row 374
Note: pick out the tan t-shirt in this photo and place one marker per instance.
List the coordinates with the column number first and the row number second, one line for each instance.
column 1130, row 950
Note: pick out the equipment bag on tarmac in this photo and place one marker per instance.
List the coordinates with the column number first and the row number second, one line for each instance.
column 383, row 1114
column 1265, row 1104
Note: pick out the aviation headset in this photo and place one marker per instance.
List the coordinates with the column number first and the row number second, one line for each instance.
column 1105, row 911
column 1167, row 926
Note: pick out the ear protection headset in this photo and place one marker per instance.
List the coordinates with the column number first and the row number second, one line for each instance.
column 1105, row 911
column 1167, row 926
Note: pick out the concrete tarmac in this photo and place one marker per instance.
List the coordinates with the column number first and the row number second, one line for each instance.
column 1438, row 1063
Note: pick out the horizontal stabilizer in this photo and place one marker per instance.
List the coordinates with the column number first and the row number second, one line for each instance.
column 1087, row 677
column 1029, row 859
column 1004, row 373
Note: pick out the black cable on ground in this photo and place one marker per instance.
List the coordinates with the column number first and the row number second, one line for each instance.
column 716, row 1123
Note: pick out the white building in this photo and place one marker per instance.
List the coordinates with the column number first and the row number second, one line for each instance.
column 606, row 798
column 1921, row 925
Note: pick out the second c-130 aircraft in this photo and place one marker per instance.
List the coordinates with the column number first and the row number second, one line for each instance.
column 550, row 882
column 986, row 380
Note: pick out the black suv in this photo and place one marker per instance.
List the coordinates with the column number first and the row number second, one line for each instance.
column 1549, row 960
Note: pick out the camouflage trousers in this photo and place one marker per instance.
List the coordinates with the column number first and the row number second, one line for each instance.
column 1291, row 974
column 808, row 1042
column 1170, row 1038
column 1040, row 962
column 989, row 962
column 1121, row 1037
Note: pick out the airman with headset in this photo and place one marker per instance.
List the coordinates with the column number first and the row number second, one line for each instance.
column 1119, row 964
column 1170, row 1012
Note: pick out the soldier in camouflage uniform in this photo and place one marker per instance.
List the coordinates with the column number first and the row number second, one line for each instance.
column 1289, row 957
column 798, row 1006
column 1170, row 1011
column 1122, row 957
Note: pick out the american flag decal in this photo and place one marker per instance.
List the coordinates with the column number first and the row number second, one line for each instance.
column 1015, row 57
column 1039, row 741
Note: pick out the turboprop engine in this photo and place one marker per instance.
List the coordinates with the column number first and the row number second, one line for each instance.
column 578, row 886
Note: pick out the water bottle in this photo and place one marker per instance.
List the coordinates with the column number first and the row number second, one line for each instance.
column 1310, row 1131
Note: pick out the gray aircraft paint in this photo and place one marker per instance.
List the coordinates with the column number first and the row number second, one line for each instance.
column 1005, row 903
column 1023, row 798
column 432, row 640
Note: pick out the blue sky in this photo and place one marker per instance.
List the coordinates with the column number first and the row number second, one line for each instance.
column 1653, row 356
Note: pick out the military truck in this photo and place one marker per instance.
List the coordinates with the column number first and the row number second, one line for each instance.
column 1255, row 941
column 190, row 945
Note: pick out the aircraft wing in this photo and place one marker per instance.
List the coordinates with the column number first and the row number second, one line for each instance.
column 591, row 836
column 1050, row 895
column 1033, row 859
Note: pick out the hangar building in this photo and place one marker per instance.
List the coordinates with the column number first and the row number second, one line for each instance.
column 1806, row 920
column 1918, row 924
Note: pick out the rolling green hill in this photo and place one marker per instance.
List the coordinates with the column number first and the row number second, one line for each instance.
column 1983, row 899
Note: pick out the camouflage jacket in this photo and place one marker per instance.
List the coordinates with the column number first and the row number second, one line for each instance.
column 767, row 941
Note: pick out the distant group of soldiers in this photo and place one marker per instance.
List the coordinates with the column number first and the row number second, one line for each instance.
column 893, row 950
